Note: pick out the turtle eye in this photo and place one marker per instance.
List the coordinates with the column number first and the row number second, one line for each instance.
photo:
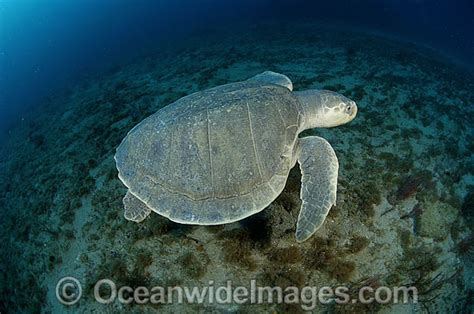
column 349, row 109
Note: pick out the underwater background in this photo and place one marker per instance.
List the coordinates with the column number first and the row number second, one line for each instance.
column 76, row 76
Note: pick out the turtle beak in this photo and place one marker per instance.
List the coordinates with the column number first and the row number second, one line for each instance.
column 353, row 112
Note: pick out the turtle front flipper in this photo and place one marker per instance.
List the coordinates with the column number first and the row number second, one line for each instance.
column 135, row 210
column 319, row 169
column 270, row 77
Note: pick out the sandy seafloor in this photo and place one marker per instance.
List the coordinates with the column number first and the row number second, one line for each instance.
column 404, row 213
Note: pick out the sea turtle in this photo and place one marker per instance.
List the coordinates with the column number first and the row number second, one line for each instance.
column 223, row 154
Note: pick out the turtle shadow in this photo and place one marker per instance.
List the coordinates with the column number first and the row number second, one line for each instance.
column 161, row 226
column 291, row 192
column 259, row 227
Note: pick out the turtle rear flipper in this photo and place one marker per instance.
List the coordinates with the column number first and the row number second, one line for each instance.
column 319, row 168
column 135, row 210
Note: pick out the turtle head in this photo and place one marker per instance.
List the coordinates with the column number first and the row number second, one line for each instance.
column 326, row 109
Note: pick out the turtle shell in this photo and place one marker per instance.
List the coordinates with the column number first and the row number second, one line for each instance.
column 215, row 156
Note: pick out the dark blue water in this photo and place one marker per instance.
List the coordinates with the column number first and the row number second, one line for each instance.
column 46, row 45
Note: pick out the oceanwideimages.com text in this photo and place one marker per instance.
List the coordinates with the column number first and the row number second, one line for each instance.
column 106, row 291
